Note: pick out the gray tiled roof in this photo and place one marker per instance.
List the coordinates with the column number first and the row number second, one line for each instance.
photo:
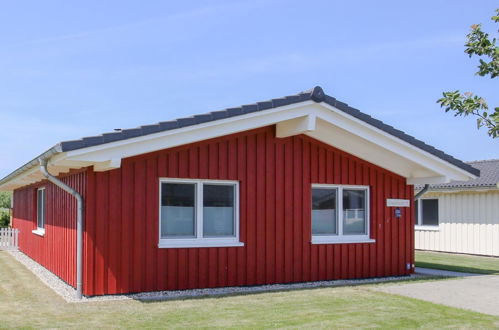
column 489, row 177
column 316, row 94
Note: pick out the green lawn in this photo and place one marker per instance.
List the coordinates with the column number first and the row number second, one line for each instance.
column 26, row 303
column 457, row 262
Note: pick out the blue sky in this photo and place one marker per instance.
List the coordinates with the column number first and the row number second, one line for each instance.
column 74, row 69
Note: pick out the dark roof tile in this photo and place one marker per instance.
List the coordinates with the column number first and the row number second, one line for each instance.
column 248, row 108
column 131, row 133
column 280, row 102
column 219, row 114
column 149, row 129
column 264, row 105
column 168, row 125
column 234, row 111
column 111, row 137
column 72, row 145
column 293, row 99
column 93, row 140
column 203, row 118
column 189, row 121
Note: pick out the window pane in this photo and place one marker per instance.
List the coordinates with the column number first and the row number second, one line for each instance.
column 178, row 210
column 324, row 220
column 354, row 212
column 40, row 208
column 416, row 213
column 218, row 210
column 429, row 212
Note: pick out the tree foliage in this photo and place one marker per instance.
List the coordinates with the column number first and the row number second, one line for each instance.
column 4, row 205
column 480, row 44
column 5, row 199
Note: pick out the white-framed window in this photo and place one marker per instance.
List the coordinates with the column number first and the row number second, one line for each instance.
column 340, row 214
column 198, row 213
column 426, row 213
column 40, row 212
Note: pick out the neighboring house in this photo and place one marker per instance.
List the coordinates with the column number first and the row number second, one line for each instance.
column 300, row 188
column 461, row 216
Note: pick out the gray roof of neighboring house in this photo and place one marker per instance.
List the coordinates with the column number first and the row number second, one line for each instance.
column 316, row 94
column 489, row 177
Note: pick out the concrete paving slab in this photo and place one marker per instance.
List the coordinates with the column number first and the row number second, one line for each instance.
column 477, row 293
column 440, row 272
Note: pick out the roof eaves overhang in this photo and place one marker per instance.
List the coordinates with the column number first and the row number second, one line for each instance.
column 27, row 173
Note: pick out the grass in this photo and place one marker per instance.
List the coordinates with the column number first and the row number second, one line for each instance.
column 26, row 303
column 457, row 262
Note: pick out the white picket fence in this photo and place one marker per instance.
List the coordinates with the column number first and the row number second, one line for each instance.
column 9, row 238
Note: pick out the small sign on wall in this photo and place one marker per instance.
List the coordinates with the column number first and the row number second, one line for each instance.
column 390, row 202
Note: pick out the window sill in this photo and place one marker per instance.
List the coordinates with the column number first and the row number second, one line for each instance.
column 197, row 243
column 39, row 232
column 341, row 240
column 427, row 228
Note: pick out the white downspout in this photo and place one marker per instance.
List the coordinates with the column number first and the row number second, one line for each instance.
column 79, row 224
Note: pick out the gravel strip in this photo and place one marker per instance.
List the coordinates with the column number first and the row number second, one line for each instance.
column 51, row 280
column 68, row 293
column 196, row 293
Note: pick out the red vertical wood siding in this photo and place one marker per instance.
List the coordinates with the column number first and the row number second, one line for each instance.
column 275, row 175
column 56, row 251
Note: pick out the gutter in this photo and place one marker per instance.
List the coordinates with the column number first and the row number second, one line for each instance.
column 421, row 192
column 79, row 223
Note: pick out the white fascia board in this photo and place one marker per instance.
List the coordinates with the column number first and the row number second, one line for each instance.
column 190, row 134
column 394, row 144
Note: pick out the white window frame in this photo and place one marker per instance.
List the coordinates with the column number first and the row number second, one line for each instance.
column 199, row 240
column 419, row 221
column 340, row 237
column 40, row 231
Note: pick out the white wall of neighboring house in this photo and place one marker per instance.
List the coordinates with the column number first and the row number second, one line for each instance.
column 468, row 223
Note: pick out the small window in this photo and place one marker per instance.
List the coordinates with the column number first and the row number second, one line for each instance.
column 40, row 212
column 218, row 210
column 199, row 213
column 324, row 211
column 426, row 212
column 178, row 210
column 354, row 212
column 340, row 214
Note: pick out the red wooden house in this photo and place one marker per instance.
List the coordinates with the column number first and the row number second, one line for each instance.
column 300, row 188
